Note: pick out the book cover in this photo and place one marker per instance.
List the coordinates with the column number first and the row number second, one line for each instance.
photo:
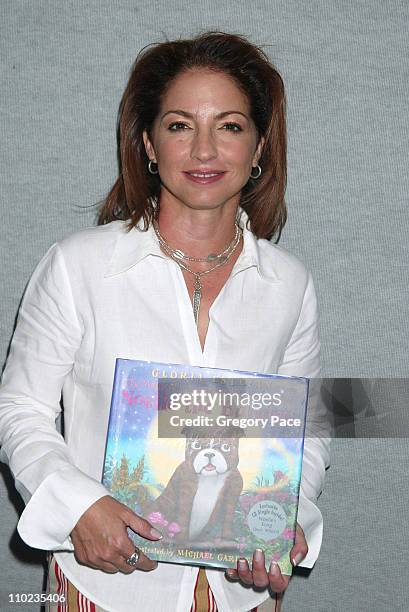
column 211, row 457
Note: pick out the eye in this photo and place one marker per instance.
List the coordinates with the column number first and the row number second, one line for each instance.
column 177, row 126
column 225, row 447
column 232, row 127
column 195, row 444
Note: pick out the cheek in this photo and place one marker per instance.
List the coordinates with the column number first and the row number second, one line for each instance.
column 171, row 151
column 239, row 155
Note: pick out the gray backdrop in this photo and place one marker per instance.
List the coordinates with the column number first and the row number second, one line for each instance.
column 345, row 67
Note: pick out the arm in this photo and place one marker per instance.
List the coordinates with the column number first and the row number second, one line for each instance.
column 301, row 358
column 61, row 500
column 42, row 354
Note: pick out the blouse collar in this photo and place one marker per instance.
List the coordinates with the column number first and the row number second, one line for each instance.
column 132, row 246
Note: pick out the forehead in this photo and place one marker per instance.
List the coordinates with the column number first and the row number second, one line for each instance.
column 199, row 90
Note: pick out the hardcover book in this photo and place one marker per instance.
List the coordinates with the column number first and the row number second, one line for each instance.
column 211, row 457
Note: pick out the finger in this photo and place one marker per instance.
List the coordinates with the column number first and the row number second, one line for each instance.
column 124, row 567
column 123, row 551
column 231, row 574
column 243, row 571
column 279, row 602
column 260, row 577
column 144, row 563
column 277, row 581
column 300, row 549
column 126, row 551
column 109, row 568
column 299, row 530
column 142, row 527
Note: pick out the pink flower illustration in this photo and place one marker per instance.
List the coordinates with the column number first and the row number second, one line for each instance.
column 157, row 519
column 173, row 529
column 288, row 533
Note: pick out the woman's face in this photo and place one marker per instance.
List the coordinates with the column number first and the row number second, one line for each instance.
column 204, row 141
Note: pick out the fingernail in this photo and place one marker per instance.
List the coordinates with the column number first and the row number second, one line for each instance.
column 258, row 555
column 156, row 534
column 274, row 568
column 297, row 559
column 242, row 563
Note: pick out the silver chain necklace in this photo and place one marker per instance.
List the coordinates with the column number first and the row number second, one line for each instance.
column 209, row 259
column 177, row 256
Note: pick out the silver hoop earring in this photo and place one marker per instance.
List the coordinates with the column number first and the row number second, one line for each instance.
column 152, row 170
column 258, row 169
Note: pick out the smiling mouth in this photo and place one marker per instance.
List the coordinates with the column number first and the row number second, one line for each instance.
column 204, row 177
column 204, row 174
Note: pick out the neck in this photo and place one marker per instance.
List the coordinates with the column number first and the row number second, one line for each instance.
column 197, row 232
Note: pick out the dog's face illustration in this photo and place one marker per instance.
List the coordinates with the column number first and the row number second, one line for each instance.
column 210, row 457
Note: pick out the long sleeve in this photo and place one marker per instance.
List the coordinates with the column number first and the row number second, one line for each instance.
column 301, row 358
column 104, row 293
column 42, row 355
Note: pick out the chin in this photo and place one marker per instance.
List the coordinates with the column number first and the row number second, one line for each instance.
column 205, row 205
column 207, row 202
column 204, row 198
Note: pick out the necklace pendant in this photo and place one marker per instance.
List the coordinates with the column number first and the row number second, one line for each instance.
column 213, row 258
column 197, row 296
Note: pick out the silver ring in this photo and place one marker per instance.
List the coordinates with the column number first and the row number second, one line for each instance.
column 134, row 558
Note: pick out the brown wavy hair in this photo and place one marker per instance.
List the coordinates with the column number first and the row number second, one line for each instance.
column 135, row 194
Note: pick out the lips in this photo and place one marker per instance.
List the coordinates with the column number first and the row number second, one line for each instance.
column 204, row 176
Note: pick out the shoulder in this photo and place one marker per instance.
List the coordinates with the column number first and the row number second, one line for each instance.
column 91, row 246
column 93, row 238
column 83, row 255
column 275, row 261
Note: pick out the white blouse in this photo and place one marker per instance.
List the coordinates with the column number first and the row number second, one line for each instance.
column 104, row 293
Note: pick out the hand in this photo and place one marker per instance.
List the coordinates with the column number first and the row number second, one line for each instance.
column 274, row 579
column 101, row 540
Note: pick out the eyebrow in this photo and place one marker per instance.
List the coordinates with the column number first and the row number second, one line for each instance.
column 191, row 116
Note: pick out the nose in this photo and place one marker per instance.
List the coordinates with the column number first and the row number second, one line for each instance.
column 203, row 145
column 209, row 456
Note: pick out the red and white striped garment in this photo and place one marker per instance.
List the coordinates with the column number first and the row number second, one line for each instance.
column 71, row 599
column 202, row 596
column 204, row 601
column 74, row 601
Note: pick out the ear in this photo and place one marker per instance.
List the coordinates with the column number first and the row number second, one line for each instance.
column 150, row 151
column 258, row 151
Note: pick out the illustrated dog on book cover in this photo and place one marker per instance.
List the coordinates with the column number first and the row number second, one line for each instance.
column 202, row 493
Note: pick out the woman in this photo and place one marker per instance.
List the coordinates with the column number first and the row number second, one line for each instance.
column 180, row 270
